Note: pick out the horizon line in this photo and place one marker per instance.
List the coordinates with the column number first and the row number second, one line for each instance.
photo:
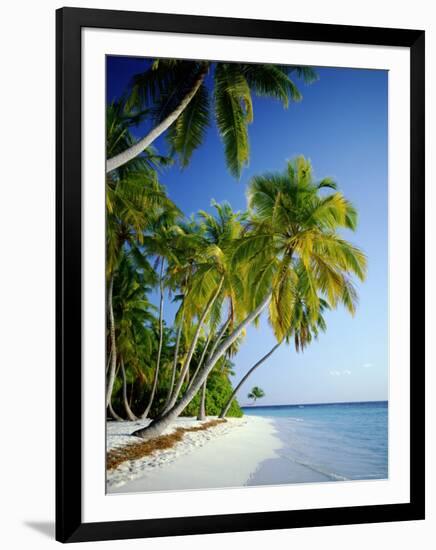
column 309, row 404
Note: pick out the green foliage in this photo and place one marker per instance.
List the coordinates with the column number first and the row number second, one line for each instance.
column 162, row 88
column 286, row 246
column 219, row 389
column 218, row 267
column 188, row 132
column 256, row 393
column 293, row 247
column 233, row 111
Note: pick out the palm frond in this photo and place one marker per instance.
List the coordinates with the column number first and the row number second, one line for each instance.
column 233, row 112
column 189, row 130
column 267, row 80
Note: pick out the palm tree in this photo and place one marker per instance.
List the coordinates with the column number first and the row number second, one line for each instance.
column 303, row 330
column 179, row 327
column 132, row 312
column 256, row 393
column 202, row 407
column 231, row 351
column 119, row 121
column 126, row 404
column 186, row 242
column 292, row 224
column 188, row 274
column 158, row 243
column 176, row 96
column 203, row 314
column 211, row 259
column 199, row 271
column 133, row 195
column 130, row 208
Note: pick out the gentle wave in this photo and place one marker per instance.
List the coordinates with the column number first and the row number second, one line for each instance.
column 318, row 470
column 344, row 441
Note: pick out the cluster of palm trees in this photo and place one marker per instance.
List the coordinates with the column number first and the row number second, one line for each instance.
column 283, row 260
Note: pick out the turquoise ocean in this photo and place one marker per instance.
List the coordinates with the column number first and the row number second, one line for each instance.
column 327, row 442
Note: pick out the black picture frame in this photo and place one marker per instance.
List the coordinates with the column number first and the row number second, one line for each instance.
column 69, row 525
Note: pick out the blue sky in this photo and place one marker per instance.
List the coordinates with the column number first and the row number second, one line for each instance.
column 341, row 125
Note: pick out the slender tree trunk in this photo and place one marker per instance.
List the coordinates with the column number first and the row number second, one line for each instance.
column 212, row 351
column 132, row 385
column 158, row 426
column 146, row 141
column 226, row 407
column 108, row 364
column 193, row 346
column 127, row 408
column 176, row 357
column 111, row 381
column 202, row 408
column 200, row 362
column 114, row 414
column 159, row 351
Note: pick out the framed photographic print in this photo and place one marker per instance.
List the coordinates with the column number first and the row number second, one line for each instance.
column 240, row 275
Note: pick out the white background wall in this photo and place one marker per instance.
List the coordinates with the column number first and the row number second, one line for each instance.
column 27, row 214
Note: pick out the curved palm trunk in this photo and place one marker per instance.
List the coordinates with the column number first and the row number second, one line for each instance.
column 127, row 408
column 202, row 408
column 132, row 385
column 220, row 336
column 114, row 414
column 212, row 351
column 159, row 351
column 176, row 357
column 192, row 347
column 110, row 408
column 113, row 364
column 203, row 355
column 146, row 141
column 158, row 426
column 226, row 407
column 108, row 364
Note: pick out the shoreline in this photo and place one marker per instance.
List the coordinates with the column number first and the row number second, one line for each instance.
column 212, row 458
column 241, row 452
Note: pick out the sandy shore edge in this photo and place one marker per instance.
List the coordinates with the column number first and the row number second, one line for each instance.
column 227, row 455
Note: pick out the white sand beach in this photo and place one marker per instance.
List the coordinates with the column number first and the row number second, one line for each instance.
column 240, row 452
